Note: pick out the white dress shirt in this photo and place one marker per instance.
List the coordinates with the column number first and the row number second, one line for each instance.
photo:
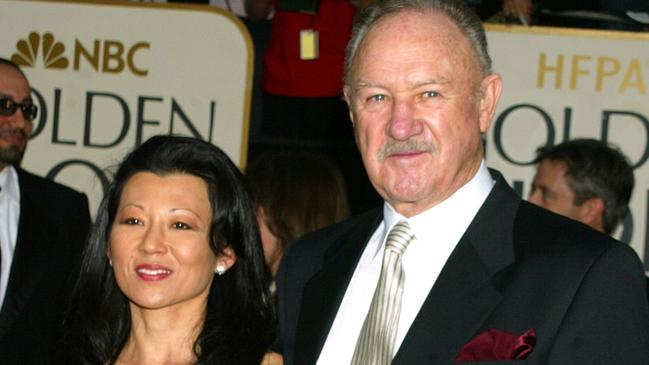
column 437, row 232
column 9, row 215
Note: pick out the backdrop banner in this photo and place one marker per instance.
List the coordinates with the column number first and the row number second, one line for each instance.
column 106, row 76
column 561, row 84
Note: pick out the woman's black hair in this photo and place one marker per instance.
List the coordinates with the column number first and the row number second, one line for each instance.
column 239, row 321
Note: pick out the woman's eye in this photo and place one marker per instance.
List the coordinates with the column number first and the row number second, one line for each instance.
column 131, row 221
column 181, row 225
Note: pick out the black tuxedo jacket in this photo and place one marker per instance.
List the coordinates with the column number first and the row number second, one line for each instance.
column 517, row 267
column 52, row 228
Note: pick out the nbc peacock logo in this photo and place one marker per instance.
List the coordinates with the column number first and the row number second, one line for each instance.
column 52, row 51
column 106, row 56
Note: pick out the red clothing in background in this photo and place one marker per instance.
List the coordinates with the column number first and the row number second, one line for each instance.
column 285, row 73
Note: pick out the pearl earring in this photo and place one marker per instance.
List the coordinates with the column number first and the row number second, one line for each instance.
column 220, row 269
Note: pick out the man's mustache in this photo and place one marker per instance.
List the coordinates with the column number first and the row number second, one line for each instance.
column 393, row 147
column 10, row 131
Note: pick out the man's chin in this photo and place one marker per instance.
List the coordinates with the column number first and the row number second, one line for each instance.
column 11, row 155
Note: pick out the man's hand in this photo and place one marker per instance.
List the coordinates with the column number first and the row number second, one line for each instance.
column 519, row 9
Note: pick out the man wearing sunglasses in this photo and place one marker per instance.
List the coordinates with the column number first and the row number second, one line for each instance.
column 42, row 229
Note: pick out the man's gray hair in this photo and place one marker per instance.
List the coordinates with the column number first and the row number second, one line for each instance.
column 456, row 10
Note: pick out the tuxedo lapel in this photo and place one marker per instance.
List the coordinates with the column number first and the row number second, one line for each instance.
column 32, row 251
column 324, row 292
column 459, row 302
column 465, row 294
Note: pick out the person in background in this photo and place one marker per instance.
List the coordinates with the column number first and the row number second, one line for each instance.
column 295, row 193
column 43, row 226
column 454, row 267
column 302, row 88
column 586, row 180
column 521, row 12
column 303, row 66
column 626, row 15
column 173, row 272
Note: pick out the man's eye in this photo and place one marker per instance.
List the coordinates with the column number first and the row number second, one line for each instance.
column 430, row 94
column 377, row 98
column 181, row 225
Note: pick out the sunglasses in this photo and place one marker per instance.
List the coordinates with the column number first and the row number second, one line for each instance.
column 8, row 107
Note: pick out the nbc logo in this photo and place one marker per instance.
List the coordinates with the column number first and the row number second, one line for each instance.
column 27, row 51
column 103, row 56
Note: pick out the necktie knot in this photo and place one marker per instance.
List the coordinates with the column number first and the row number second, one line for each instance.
column 399, row 237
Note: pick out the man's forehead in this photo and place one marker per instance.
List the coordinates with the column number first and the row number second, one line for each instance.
column 410, row 30
column 13, row 81
column 414, row 23
column 555, row 167
column 8, row 70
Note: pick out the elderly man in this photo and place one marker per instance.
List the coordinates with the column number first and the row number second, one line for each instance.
column 42, row 229
column 454, row 267
column 586, row 180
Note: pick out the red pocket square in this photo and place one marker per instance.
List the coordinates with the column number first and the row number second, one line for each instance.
column 494, row 345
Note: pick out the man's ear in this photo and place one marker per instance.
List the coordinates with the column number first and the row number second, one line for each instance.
column 490, row 90
column 225, row 260
column 592, row 213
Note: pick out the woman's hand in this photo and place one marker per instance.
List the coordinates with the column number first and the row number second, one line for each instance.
column 272, row 358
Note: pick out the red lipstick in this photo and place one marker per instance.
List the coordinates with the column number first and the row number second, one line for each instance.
column 152, row 272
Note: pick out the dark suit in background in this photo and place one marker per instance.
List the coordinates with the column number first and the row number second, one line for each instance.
column 53, row 224
column 517, row 267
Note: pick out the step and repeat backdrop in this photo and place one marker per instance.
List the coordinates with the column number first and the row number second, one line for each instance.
column 560, row 84
column 108, row 75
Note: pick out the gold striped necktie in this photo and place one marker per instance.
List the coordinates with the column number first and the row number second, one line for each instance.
column 376, row 341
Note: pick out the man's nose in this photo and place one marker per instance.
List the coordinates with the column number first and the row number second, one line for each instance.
column 403, row 123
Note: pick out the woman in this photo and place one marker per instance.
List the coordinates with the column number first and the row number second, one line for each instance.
column 173, row 272
column 295, row 193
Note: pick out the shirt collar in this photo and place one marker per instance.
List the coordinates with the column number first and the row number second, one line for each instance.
column 459, row 208
column 9, row 183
